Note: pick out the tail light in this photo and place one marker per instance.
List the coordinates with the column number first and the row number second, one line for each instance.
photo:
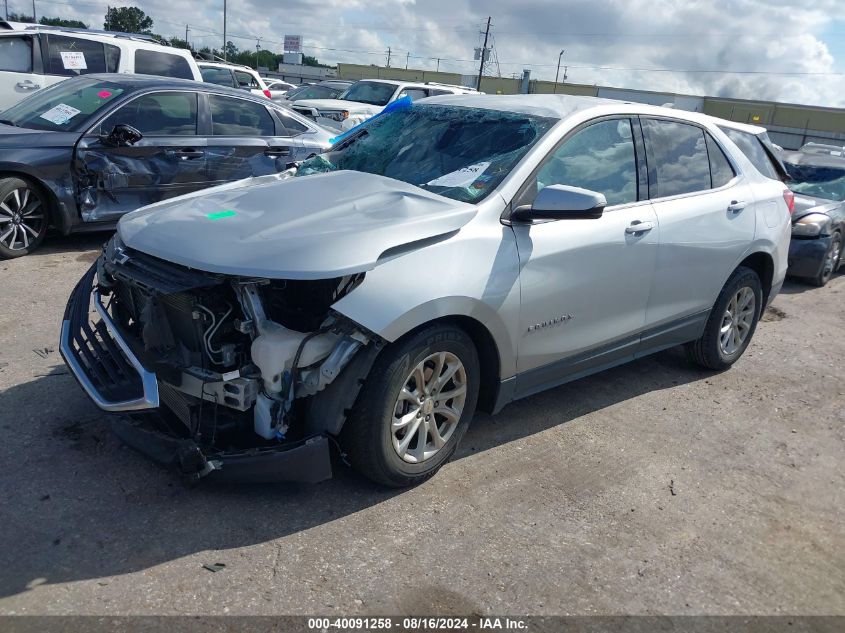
column 789, row 199
column 269, row 96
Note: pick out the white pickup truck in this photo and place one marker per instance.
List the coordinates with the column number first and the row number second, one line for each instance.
column 368, row 97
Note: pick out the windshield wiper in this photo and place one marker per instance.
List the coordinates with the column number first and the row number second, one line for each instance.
column 8, row 122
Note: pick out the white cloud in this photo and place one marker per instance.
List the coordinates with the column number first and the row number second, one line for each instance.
column 693, row 35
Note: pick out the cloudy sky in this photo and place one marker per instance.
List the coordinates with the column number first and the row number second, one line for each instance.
column 687, row 46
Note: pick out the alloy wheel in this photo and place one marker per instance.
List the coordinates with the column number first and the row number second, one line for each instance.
column 21, row 219
column 429, row 407
column 737, row 321
column 831, row 261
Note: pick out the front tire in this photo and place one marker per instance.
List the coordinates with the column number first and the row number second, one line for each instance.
column 23, row 218
column 731, row 323
column 414, row 407
column 831, row 261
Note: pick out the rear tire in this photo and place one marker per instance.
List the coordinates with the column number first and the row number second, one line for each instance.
column 23, row 218
column 832, row 259
column 731, row 323
column 414, row 407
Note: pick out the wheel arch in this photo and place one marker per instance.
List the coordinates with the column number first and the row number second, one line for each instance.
column 763, row 264
column 54, row 217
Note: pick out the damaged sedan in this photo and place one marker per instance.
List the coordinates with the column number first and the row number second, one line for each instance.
column 453, row 254
column 78, row 155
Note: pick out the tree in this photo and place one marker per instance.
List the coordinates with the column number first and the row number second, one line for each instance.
column 73, row 24
column 128, row 20
column 177, row 42
column 19, row 17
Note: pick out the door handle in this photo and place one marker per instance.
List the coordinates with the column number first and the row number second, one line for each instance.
column 26, row 84
column 188, row 153
column 277, row 151
column 639, row 227
column 736, row 207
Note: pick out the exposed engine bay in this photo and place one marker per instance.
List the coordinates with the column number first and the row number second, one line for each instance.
column 239, row 362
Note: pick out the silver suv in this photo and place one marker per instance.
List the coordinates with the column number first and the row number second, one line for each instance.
column 456, row 253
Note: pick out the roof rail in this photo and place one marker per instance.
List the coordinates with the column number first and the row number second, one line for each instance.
column 141, row 37
column 437, row 83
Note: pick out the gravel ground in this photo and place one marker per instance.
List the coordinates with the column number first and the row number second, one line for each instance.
column 652, row 488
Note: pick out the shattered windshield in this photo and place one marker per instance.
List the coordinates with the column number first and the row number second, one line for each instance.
column 372, row 92
column 461, row 153
column 63, row 107
column 817, row 181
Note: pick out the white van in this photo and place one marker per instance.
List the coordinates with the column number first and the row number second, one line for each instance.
column 34, row 57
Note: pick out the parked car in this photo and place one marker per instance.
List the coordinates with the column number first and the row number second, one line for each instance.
column 818, row 224
column 823, row 148
column 366, row 98
column 33, row 57
column 329, row 89
column 278, row 88
column 78, row 155
column 453, row 254
column 234, row 76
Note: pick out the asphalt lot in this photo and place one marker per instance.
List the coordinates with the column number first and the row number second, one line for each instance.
column 651, row 488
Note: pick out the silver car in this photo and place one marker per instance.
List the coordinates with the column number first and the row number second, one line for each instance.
column 451, row 255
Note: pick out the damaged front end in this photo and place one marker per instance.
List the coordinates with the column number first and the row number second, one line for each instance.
column 233, row 378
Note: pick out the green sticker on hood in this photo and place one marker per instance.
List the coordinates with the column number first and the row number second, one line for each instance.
column 219, row 215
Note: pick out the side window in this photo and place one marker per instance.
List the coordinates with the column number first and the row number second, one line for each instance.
column 413, row 93
column 292, row 126
column 72, row 56
column 239, row 117
column 161, row 114
column 162, row 64
column 16, row 54
column 678, row 154
column 245, row 80
column 721, row 172
column 753, row 150
column 112, row 58
column 219, row 76
column 600, row 157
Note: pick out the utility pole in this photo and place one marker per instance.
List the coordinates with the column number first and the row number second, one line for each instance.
column 7, row 9
column 224, row 30
column 407, row 59
column 438, row 64
column 187, row 28
column 388, row 57
column 34, row 17
column 557, row 72
column 257, row 50
column 483, row 54
column 108, row 15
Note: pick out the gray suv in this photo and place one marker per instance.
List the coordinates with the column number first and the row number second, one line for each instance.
column 453, row 254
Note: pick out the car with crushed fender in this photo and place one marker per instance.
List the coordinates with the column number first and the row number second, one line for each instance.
column 818, row 224
column 77, row 155
column 452, row 255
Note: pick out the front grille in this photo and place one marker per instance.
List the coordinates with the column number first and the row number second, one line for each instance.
column 157, row 275
column 95, row 350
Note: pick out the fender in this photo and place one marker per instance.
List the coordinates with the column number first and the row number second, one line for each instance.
column 56, row 178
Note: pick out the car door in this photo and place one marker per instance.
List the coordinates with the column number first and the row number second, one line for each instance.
column 243, row 140
column 707, row 220
column 20, row 65
column 168, row 161
column 585, row 282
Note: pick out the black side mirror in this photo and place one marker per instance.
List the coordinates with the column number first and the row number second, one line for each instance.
column 122, row 136
column 562, row 202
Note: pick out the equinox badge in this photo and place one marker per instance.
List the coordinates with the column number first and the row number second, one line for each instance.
column 550, row 322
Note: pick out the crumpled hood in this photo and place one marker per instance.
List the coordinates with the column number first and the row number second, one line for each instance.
column 338, row 104
column 311, row 227
column 804, row 205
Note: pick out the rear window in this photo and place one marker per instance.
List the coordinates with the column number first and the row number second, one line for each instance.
column 73, row 56
column 678, row 156
column 162, row 64
column 245, row 80
column 219, row 76
column 753, row 149
column 16, row 54
column 239, row 117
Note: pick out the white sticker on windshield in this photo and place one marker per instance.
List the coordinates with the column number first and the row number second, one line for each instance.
column 60, row 114
column 463, row 177
column 73, row 60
